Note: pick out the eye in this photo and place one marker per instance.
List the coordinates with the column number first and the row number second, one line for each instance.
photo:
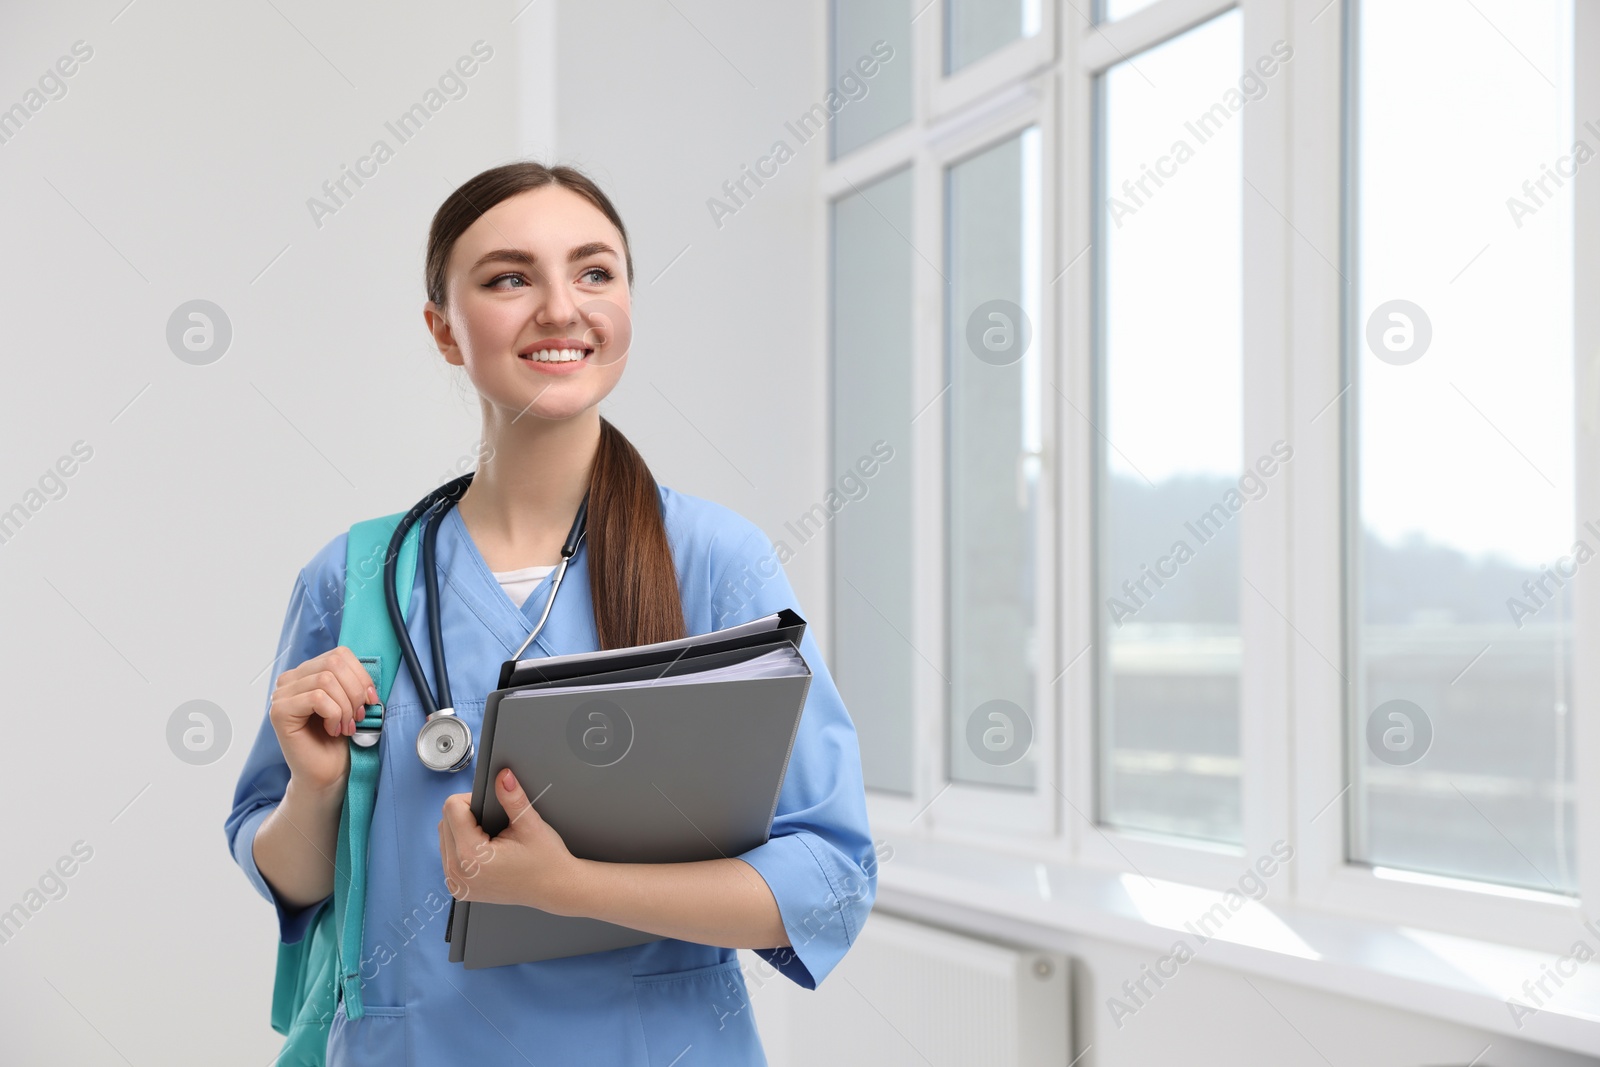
column 494, row 283
column 605, row 275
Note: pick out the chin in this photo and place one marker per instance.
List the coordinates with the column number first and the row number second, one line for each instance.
column 549, row 406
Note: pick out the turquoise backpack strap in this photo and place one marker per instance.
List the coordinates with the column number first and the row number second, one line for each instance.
column 326, row 963
column 365, row 629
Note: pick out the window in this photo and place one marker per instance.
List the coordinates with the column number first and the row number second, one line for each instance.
column 1251, row 464
column 873, row 662
column 1463, row 543
column 1111, row 10
column 992, row 263
column 1170, row 464
column 871, row 70
column 941, row 582
column 977, row 28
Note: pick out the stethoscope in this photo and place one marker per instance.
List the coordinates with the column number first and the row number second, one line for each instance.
column 445, row 742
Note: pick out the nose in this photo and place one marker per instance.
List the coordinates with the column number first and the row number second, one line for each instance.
column 558, row 308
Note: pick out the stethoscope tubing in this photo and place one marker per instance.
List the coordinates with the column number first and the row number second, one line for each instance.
column 575, row 536
column 431, row 510
column 430, row 534
column 451, row 491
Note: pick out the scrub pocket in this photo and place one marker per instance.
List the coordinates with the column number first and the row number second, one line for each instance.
column 379, row 1036
column 701, row 1016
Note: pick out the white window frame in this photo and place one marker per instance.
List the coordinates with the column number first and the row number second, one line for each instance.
column 1292, row 720
column 1263, row 690
column 969, row 806
column 937, row 137
column 1325, row 877
column 1000, row 68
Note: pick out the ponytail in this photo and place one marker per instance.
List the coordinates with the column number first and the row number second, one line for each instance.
column 632, row 580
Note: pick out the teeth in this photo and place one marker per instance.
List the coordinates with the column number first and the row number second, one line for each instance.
column 556, row 355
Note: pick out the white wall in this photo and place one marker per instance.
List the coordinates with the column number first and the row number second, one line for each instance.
column 177, row 166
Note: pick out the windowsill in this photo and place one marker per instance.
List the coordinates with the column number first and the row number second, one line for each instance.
column 1462, row 980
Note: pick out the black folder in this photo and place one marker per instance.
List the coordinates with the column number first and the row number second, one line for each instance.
column 662, row 753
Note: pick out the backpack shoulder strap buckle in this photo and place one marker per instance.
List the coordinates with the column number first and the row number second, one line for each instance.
column 370, row 728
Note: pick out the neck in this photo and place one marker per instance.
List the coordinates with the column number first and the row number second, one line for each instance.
column 531, row 477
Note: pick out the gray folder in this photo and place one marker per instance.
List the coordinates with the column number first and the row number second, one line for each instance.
column 661, row 753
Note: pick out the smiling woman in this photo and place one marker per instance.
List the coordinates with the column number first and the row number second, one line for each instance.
column 560, row 291
column 528, row 281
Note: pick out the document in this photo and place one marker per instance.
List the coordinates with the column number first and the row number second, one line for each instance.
column 661, row 753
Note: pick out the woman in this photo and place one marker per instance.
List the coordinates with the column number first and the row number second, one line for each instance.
column 529, row 265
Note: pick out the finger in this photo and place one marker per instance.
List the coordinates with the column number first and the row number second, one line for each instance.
column 316, row 704
column 312, row 673
column 512, row 797
column 349, row 675
column 358, row 682
column 446, row 835
column 465, row 839
column 447, row 852
column 325, row 681
column 355, row 685
column 452, row 834
column 333, row 685
column 463, row 827
column 345, row 679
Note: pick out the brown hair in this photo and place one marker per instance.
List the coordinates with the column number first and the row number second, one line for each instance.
column 632, row 581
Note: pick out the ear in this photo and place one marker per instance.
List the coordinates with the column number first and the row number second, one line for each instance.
column 443, row 336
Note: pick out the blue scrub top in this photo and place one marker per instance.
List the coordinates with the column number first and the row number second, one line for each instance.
column 664, row 1002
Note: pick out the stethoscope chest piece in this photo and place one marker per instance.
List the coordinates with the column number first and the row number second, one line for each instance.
column 445, row 742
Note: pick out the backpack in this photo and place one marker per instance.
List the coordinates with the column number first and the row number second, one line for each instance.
column 324, row 965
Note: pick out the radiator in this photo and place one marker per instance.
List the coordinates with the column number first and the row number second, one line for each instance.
column 907, row 993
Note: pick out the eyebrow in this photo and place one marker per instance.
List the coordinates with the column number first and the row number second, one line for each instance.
column 517, row 255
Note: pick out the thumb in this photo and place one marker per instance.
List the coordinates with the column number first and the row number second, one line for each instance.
column 512, row 798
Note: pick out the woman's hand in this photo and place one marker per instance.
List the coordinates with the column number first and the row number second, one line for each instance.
column 315, row 708
column 526, row 863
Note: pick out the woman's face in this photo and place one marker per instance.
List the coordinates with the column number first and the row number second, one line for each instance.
column 541, row 266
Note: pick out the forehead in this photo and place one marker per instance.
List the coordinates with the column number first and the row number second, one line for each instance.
column 547, row 222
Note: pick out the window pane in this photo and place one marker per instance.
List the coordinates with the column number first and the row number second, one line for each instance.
column 992, row 263
column 1462, row 351
column 1121, row 9
column 871, row 70
column 974, row 28
column 1171, row 488
column 872, row 657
